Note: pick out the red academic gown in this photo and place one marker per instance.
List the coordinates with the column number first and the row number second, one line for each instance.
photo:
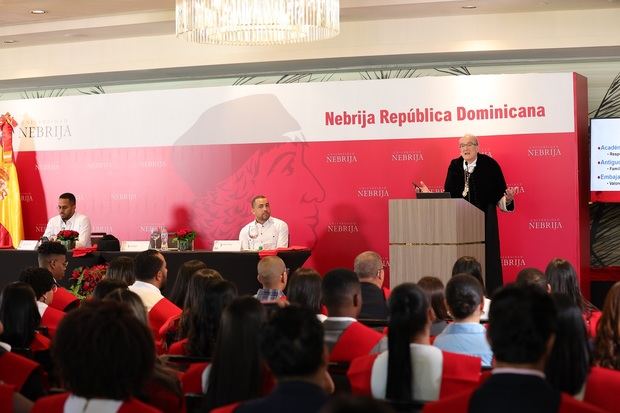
column 159, row 315
column 192, row 378
column 459, row 373
column 6, row 398
column 62, row 299
column 50, row 319
column 178, row 348
column 603, row 388
column 15, row 369
column 56, row 404
column 355, row 341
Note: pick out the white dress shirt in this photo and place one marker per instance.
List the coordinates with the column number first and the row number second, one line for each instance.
column 41, row 306
column 78, row 222
column 428, row 366
column 76, row 404
column 149, row 294
column 271, row 235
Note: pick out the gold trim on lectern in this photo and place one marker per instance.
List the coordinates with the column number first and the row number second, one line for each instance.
column 430, row 244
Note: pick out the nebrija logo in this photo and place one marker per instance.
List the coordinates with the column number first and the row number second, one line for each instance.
column 518, row 188
column 44, row 129
column 129, row 196
column 373, row 192
column 407, row 156
column 547, row 151
column 107, row 228
column 545, row 224
column 339, row 227
column 346, row 157
column 26, row 197
column 513, row 261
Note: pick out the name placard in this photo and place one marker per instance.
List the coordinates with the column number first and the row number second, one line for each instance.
column 134, row 246
column 227, row 245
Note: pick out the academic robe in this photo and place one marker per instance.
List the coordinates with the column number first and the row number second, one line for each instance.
column 486, row 187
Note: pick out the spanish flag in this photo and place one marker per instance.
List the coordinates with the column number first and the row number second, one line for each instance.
column 11, row 224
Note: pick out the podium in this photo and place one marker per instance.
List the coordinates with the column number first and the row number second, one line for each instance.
column 428, row 235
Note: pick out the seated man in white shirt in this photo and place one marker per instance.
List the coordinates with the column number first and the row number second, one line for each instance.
column 68, row 219
column 151, row 276
column 265, row 232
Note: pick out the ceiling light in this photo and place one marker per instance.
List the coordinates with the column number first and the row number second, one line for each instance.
column 38, row 11
column 471, row 7
column 257, row 22
column 10, row 41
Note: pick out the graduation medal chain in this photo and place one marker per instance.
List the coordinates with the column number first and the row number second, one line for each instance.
column 466, row 187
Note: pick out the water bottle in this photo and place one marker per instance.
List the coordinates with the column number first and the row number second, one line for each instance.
column 164, row 239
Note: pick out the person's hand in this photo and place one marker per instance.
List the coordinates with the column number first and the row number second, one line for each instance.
column 510, row 195
column 423, row 187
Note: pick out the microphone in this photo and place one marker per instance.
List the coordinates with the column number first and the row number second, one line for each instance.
column 42, row 240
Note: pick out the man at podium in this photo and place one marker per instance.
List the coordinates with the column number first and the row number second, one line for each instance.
column 478, row 178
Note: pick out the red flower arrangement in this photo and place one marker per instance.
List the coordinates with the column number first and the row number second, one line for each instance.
column 185, row 234
column 85, row 279
column 67, row 235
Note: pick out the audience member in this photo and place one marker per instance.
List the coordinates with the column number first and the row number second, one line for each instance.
column 533, row 276
column 570, row 359
column 106, row 286
column 292, row 345
column 162, row 389
column 121, row 268
column 272, row 275
column 435, row 292
column 562, row 278
column 44, row 287
column 465, row 335
column 607, row 340
column 369, row 268
column 304, row 289
column 21, row 373
column 21, row 318
column 470, row 265
column 104, row 365
column 522, row 326
column 151, row 276
column 178, row 326
column 179, row 289
column 53, row 257
column 211, row 296
column 346, row 338
column 237, row 373
column 412, row 369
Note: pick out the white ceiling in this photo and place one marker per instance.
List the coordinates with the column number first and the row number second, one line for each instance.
column 83, row 20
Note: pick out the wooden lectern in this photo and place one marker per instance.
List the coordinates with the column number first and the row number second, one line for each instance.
column 428, row 235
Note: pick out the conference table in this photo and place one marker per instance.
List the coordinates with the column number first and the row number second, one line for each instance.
column 237, row 267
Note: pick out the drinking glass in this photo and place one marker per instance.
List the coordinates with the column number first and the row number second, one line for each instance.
column 253, row 234
column 155, row 234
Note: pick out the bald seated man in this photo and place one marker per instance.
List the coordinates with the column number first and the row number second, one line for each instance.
column 272, row 275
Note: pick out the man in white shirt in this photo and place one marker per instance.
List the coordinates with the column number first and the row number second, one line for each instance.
column 265, row 232
column 151, row 274
column 68, row 219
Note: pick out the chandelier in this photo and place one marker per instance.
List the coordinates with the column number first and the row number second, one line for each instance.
column 257, row 22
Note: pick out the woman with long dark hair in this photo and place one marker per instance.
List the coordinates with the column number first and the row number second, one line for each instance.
column 181, row 283
column 607, row 341
column 412, row 369
column 237, row 372
column 570, row 359
column 304, row 289
column 211, row 296
column 436, row 293
column 562, row 278
column 20, row 316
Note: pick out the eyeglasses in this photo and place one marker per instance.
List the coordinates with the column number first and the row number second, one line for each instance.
column 467, row 145
column 55, row 287
column 64, row 264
